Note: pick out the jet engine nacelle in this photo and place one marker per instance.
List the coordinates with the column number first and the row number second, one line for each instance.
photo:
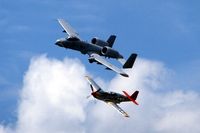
column 109, row 52
column 99, row 42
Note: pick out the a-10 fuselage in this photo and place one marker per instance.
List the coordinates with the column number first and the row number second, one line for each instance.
column 87, row 48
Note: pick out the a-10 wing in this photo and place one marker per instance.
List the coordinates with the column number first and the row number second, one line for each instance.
column 101, row 60
column 120, row 110
column 67, row 28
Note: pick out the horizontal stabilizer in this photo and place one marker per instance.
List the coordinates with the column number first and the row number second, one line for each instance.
column 129, row 63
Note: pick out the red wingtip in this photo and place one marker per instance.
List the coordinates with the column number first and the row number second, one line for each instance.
column 129, row 97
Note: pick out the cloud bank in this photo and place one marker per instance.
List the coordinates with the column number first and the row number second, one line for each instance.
column 53, row 99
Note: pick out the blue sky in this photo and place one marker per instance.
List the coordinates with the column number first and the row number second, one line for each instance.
column 162, row 30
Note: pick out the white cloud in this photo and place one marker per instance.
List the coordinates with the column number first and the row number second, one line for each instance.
column 4, row 129
column 1, row 129
column 53, row 97
column 181, row 112
column 53, row 100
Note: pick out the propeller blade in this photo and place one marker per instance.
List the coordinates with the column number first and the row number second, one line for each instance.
column 88, row 96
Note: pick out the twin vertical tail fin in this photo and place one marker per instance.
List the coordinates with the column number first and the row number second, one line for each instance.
column 131, row 60
column 111, row 40
column 129, row 63
column 133, row 97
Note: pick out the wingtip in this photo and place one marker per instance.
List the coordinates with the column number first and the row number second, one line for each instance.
column 59, row 19
column 136, row 103
column 127, row 116
column 124, row 74
column 86, row 76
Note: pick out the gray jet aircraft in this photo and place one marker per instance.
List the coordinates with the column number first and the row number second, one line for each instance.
column 95, row 49
column 112, row 98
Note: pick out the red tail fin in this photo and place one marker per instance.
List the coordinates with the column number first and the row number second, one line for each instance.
column 133, row 97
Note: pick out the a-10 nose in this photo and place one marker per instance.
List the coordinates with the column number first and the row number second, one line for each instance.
column 59, row 43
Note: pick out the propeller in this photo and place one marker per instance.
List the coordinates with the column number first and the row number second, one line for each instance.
column 88, row 96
